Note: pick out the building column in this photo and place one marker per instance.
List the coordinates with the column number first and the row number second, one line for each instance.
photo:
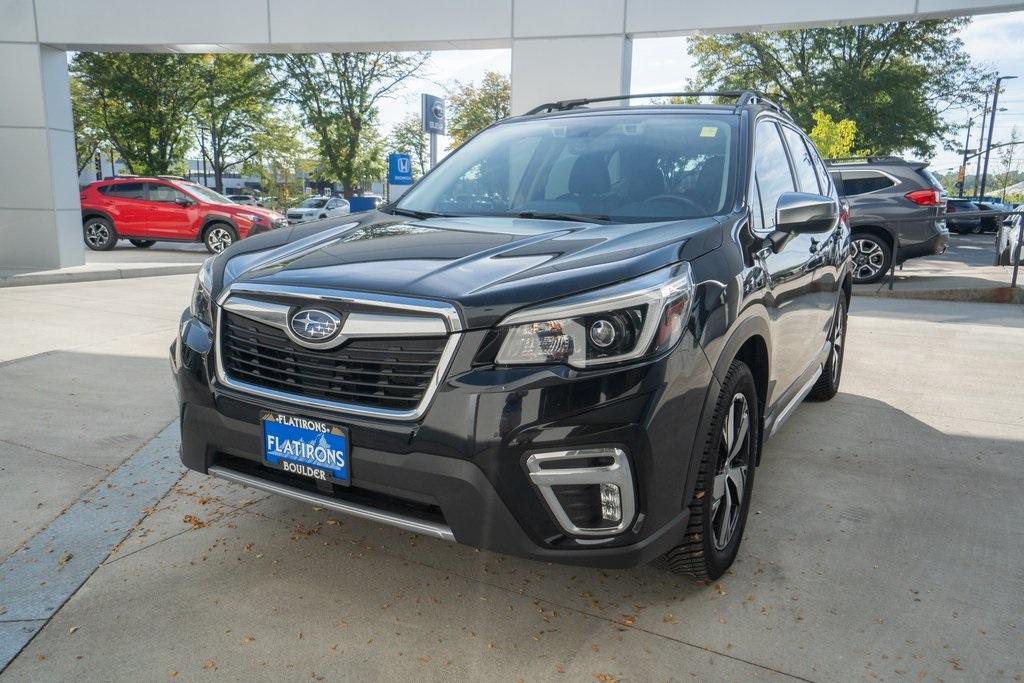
column 551, row 69
column 40, row 216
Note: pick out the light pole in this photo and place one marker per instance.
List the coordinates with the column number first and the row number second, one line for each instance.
column 962, row 175
column 991, row 126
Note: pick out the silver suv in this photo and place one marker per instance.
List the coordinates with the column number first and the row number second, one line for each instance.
column 895, row 207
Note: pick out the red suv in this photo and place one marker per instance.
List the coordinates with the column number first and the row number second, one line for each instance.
column 147, row 210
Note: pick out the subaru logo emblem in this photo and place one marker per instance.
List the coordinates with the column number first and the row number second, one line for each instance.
column 315, row 325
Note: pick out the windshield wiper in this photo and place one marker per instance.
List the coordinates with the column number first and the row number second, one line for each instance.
column 557, row 216
column 415, row 214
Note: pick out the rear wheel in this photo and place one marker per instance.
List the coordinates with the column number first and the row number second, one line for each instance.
column 872, row 257
column 143, row 244
column 828, row 384
column 99, row 234
column 721, row 497
column 218, row 237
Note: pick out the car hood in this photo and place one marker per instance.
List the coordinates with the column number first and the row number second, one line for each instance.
column 296, row 209
column 248, row 209
column 486, row 266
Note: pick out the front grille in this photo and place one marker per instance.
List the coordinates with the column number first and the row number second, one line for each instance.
column 295, row 216
column 377, row 373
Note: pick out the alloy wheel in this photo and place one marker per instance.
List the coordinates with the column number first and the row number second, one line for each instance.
column 97, row 234
column 868, row 258
column 219, row 239
column 730, row 483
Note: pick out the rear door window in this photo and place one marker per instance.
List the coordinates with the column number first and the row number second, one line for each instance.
column 127, row 190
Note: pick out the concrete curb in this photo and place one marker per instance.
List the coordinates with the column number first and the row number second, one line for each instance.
column 115, row 272
column 991, row 295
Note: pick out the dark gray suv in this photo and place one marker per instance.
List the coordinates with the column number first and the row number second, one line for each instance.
column 890, row 198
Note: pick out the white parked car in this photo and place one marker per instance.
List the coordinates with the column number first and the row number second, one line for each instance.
column 246, row 199
column 1008, row 242
column 315, row 208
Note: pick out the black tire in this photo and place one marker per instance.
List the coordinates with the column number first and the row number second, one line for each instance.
column 99, row 234
column 872, row 258
column 701, row 555
column 219, row 236
column 977, row 229
column 827, row 385
column 323, row 216
column 143, row 244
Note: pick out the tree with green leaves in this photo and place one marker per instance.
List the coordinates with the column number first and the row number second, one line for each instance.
column 88, row 131
column 474, row 108
column 143, row 104
column 1008, row 162
column 337, row 96
column 235, row 102
column 894, row 79
column 279, row 155
column 833, row 138
column 409, row 138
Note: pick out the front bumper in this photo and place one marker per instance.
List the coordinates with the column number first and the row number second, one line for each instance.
column 460, row 470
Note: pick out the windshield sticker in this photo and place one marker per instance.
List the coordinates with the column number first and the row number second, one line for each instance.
column 709, row 131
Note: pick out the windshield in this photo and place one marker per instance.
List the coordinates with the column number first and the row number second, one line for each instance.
column 313, row 203
column 621, row 167
column 206, row 194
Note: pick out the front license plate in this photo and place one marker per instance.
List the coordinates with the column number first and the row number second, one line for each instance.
column 311, row 448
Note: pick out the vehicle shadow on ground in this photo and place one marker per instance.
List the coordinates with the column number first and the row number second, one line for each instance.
column 877, row 544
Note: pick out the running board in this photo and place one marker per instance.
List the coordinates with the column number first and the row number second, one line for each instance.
column 791, row 406
column 354, row 509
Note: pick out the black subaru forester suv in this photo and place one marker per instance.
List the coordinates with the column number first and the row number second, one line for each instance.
column 568, row 342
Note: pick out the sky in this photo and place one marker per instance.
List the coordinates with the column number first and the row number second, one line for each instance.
column 661, row 64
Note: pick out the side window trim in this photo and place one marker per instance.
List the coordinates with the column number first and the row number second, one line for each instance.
column 792, row 154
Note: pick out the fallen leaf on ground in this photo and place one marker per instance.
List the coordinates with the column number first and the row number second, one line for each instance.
column 65, row 557
column 72, row 629
column 210, row 664
column 193, row 521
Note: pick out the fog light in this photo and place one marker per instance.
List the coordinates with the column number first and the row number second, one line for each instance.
column 611, row 502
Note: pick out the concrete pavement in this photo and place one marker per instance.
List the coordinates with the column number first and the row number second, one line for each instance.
column 123, row 262
column 884, row 543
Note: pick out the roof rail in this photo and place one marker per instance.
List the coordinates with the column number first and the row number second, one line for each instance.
column 874, row 159
column 742, row 97
column 171, row 177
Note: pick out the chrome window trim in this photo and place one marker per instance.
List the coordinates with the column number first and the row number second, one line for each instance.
column 616, row 473
column 442, row 310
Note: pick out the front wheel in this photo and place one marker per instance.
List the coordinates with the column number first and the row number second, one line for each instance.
column 143, row 244
column 219, row 237
column 827, row 385
column 99, row 234
column 872, row 257
column 721, row 497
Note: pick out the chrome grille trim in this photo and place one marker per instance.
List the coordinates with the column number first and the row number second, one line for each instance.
column 444, row 311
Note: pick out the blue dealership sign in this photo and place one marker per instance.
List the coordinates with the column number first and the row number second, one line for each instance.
column 399, row 169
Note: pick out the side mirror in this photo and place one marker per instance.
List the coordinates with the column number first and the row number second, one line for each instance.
column 183, row 201
column 800, row 212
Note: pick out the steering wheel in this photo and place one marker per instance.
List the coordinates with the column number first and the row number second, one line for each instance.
column 678, row 199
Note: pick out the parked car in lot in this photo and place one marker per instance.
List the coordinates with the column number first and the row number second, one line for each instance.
column 316, row 208
column 246, row 199
column 574, row 356
column 889, row 198
column 149, row 210
column 995, row 212
column 962, row 224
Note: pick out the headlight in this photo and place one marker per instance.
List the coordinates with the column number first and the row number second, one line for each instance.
column 256, row 219
column 201, row 306
column 627, row 321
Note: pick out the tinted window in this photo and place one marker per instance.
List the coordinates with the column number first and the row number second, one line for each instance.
column 628, row 167
column 806, row 175
column 772, row 168
column 866, row 183
column 164, row 193
column 931, row 179
column 127, row 190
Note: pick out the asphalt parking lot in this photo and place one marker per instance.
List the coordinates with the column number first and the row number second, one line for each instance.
column 885, row 540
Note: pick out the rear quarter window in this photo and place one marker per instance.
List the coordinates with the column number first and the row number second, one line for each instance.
column 864, row 182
